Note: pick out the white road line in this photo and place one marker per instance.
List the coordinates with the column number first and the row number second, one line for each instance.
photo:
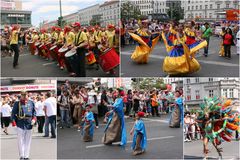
column 50, row 63
column 149, row 139
column 202, row 61
column 155, row 120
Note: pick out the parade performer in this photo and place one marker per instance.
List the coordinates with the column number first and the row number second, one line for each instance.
column 178, row 60
column 139, row 143
column 92, row 42
column 24, row 117
column 88, row 127
column 192, row 41
column 44, row 37
column 217, row 121
column 59, row 42
column 35, row 39
column 222, row 33
column 110, row 33
column 115, row 130
column 14, row 44
column 81, row 42
column 146, row 42
column 177, row 112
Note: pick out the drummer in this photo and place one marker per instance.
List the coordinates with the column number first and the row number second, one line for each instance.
column 92, row 45
column 35, row 39
column 80, row 43
column 116, row 39
column 97, row 33
column 110, row 33
column 59, row 42
column 69, row 42
column 44, row 37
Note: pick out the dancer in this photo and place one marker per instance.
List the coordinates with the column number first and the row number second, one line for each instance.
column 88, row 127
column 14, row 44
column 217, row 122
column 115, row 130
column 146, row 42
column 178, row 60
column 140, row 137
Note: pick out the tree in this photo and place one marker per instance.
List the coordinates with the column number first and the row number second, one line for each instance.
column 175, row 12
column 147, row 83
column 129, row 10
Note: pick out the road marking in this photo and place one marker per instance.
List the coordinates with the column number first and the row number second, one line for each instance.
column 202, row 61
column 21, row 55
column 50, row 63
column 155, row 120
column 149, row 139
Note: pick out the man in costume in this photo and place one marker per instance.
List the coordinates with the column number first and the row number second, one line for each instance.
column 24, row 117
column 139, row 143
column 115, row 130
column 217, row 122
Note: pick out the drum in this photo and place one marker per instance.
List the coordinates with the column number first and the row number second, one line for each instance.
column 31, row 47
column 72, row 60
column 53, row 47
column 63, row 50
column 109, row 60
column 90, row 58
column 37, row 44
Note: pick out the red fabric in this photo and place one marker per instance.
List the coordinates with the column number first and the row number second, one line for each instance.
column 190, row 40
column 140, row 114
column 14, row 124
column 227, row 39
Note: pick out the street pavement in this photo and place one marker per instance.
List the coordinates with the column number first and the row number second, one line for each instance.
column 194, row 150
column 41, row 148
column 35, row 66
column 163, row 143
column 211, row 66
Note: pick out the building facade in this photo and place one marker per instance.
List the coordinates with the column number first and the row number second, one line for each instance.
column 11, row 4
column 208, row 10
column 71, row 18
column 196, row 89
column 85, row 15
column 110, row 11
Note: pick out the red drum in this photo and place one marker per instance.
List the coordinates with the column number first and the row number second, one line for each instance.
column 90, row 58
column 54, row 52
column 31, row 47
column 109, row 60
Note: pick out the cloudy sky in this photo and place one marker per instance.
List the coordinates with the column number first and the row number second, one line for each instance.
column 49, row 9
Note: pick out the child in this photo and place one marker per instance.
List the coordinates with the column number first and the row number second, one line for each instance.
column 88, row 127
column 139, row 138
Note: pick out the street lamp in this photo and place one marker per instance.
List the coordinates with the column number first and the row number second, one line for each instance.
column 60, row 5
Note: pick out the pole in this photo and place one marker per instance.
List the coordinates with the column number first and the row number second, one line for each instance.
column 60, row 5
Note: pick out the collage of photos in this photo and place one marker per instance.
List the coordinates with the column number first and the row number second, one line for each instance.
column 120, row 79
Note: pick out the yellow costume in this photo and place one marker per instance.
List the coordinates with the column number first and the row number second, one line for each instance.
column 221, row 52
column 110, row 37
column 69, row 38
column 145, row 47
column 178, row 60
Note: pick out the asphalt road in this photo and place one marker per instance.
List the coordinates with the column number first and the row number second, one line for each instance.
column 211, row 66
column 35, row 66
column 163, row 142
column 41, row 148
column 194, row 150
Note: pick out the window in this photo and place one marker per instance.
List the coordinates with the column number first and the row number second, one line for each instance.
column 197, row 94
column 230, row 93
column 227, row 5
column 206, row 6
column 210, row 15
column 188, row 94
column 188, row 80
column 197, row 80
column 210, row 93
column 210, row 79
column 225, row 92
column 200, row 6
column 210, row 6
column 196, row 7
column 192, row 7
column 218, row 6
column 188, row 7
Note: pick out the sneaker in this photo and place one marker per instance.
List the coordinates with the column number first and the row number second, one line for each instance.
column 45, row 136
column 97, row 127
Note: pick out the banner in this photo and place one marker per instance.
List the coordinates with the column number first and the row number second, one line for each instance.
column 18, row 88
column 233, row 15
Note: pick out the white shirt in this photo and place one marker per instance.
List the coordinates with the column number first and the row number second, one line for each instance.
column 39, row 108
column 51, row 106
column 6, row 110
column 238, row 38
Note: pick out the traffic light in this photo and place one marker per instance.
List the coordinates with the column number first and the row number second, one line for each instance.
column 60, row 21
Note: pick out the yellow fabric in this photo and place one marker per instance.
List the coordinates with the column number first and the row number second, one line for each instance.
column 198, row 47
column 221, row 52
column 110, row 36
column 141, row 53
column 82, row 38
column 69, row 38
column 54, row 35
column 168, row 48
column 60, row 37
column 44, row 37
column 14, row 37
column 35, row 37
column 181, row 65
column 91, row 40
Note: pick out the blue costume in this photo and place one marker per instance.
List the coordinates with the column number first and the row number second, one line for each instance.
column 139, row 129
column 113, row 124
column 88, row 127
column 177, row 113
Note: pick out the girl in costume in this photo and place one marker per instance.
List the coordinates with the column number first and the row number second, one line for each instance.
column 139, row 143
column 88, row 127
column 115, row 130
column 177, row 113
column 146, row 42
column 179, row 59
column 217, row 121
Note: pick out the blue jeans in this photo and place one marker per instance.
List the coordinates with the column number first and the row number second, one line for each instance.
column 206, row 48
column 52, row 121
column 64, row 118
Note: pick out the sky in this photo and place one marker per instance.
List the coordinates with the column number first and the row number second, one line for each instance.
column 43, row 10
